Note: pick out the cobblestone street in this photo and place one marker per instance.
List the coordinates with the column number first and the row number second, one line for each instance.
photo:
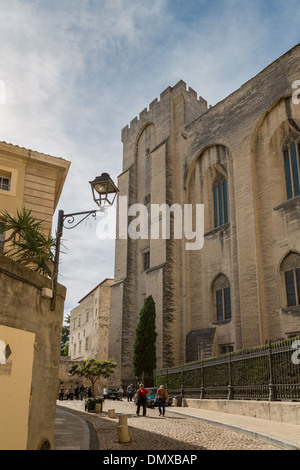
column 173, row 432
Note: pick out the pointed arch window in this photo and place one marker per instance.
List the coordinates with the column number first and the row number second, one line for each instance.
column 291, row 270
column 220, row 202
column 221, row 299
column 291, row 157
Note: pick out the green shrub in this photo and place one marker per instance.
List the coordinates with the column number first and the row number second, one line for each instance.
column 90, row 403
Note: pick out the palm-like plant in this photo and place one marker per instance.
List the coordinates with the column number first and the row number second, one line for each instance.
column 27, row 244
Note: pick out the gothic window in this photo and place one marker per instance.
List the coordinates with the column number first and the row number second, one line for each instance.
column 291, row 272
column 291, row 157
column 146, row 260
column 221, row 299
column 220, row 202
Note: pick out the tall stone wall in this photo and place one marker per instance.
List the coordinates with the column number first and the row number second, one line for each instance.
column 24, row 306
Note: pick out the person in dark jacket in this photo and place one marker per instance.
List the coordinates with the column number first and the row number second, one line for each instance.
column 141, row 400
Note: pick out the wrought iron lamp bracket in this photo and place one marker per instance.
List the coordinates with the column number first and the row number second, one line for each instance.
column 70, row 218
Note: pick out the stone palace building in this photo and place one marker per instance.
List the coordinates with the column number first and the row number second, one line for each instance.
column 241, row 160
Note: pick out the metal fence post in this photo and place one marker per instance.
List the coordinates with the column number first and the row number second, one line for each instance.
column 230, row 390
column 182, row 381
column 167, row 378
column 202, row 381
column 271, row 384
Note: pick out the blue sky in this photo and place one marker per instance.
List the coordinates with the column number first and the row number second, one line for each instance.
column 77, row 71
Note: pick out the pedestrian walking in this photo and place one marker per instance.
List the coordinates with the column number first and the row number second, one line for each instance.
column 61, row 392
column 77, row 392
column 71, row 392
column 161, row 397
column 81, row 392
column 121, row 392
column 130, row 392
column 141, row 400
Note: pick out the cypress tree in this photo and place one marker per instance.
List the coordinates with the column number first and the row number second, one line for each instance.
column 144, row 349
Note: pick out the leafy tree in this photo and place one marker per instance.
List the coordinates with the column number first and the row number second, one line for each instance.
column 65, row 337
column 144, row 349
column 27, row 244
column 92, row 370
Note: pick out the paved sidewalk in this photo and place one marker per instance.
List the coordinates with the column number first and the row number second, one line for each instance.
column 286, row 436
column 74, row 432
column 71, row 431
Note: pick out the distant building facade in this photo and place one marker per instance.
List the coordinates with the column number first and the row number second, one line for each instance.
column 89, row 323
column 241, row 160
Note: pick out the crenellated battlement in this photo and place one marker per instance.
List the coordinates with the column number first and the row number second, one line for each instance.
column 147, row 114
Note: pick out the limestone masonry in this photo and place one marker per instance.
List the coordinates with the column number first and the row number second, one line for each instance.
column 241, row 159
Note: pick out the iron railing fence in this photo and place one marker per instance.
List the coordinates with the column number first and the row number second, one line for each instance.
column 270, row 372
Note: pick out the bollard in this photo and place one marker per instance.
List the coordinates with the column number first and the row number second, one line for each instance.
column 111, row 414
column 123, row 433
column 98, row 407
column 123, row 420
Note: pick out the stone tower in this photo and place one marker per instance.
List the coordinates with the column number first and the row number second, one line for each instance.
column 240, row 159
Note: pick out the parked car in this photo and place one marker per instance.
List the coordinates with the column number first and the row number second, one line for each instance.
column 150, row 398
column 110, row 393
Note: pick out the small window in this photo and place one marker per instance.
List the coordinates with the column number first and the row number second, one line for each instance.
column 291, row 158
column 220, row 202
column 226, row 348
column 146, row 260
column 148, row 200
column 4, row 183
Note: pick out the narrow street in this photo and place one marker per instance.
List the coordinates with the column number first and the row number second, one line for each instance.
column 172, row 432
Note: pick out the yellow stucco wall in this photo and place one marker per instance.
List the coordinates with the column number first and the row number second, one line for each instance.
column 15, row 386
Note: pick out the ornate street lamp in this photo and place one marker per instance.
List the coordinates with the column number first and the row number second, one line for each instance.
column 104, row 193
column 102, row 187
